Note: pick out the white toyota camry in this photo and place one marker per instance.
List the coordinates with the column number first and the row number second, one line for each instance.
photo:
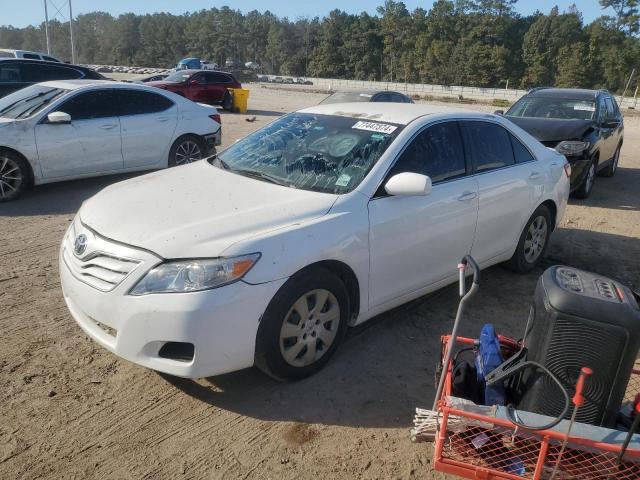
column 265, row 254
column 62, row 130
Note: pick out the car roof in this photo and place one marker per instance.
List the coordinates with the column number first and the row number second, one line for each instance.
column 575, row 93
column 399, row 113
column 77, row 84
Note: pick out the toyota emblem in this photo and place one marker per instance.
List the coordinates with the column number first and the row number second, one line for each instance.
column 80, row 245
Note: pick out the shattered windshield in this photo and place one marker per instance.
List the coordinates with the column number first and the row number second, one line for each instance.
column 322, row 153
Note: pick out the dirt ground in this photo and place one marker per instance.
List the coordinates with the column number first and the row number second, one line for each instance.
column 69, row 409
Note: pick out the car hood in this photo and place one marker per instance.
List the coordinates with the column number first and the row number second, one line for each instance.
column 197, row 210
column 553, row 130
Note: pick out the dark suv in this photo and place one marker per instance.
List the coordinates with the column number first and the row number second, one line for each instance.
column 17, row 73
column 584, row 125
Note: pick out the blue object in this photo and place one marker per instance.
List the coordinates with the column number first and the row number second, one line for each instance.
column 191, row 63
column 488, row 359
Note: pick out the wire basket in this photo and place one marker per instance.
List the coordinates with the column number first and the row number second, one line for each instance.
column 493, row 448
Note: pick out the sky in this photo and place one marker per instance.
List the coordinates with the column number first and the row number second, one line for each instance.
column 31, row 12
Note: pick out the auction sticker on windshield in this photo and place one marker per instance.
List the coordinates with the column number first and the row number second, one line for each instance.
column 375, row 127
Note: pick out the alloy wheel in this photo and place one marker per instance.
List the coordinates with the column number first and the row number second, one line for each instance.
column 11, row 177
column 591, row 175
column 536, row 239
column 309, row 328
column 187, row 152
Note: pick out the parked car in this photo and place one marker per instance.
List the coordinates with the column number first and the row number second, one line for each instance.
column 200, row 86
column 584, row 125
column 29, row 55
column 18, row 73
column 62, row 130
column 367, row 96
column 152, row 78
column 318, row 221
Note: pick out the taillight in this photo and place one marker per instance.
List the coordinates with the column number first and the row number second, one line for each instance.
column 216, row 118
column 567, row 170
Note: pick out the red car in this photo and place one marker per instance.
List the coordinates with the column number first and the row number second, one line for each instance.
column 204, row 86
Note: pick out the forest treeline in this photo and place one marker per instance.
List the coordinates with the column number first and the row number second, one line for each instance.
column 461, row 42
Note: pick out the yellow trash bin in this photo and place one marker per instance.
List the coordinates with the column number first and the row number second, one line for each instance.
column 240, row 99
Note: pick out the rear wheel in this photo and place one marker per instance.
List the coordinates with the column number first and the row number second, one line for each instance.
column 186, row 149
column 15, row 176
column 610, row 170
column 533, row 241
column 303, row 325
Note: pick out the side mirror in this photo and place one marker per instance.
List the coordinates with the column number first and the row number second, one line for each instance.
column 499, row 112
column 610, row 123
column 408, row 184
column 59, row 117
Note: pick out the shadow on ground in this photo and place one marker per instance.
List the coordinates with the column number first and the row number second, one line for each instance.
column 385, row 368
column 619, row 192
column 59, row 198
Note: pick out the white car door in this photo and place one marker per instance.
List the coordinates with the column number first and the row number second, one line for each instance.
column 508, row 190
column 148, row 121
column 90, row 143
column 417, row 241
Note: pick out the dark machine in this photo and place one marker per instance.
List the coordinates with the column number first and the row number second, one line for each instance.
column 580, row 319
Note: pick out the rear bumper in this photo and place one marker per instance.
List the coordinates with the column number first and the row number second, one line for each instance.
column 213, row 140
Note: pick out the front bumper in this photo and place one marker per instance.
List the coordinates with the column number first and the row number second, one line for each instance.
column 221, row 323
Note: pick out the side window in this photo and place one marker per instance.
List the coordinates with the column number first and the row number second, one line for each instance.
column 218, row 78
column 36, row 72
column 198, row 77
column 31, row 56
column 382, row 97
column 436, row 151
column 10, row 73
column 91, row 105
column 136, row 102
column 611, row 111
column 49, row 59
column 490, row 145
column 520, row 152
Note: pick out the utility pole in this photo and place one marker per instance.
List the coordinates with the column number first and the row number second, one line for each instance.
column 73, row 51
column 46, row 27
column 627, row 86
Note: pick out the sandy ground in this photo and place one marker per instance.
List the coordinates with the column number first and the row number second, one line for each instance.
column 69, row 409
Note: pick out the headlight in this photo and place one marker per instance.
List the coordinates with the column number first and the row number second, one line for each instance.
column 194, row 275
column 571, row 147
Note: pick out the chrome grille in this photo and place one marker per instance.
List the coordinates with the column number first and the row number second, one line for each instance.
column 98, row 268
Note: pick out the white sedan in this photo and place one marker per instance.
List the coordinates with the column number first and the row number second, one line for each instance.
column 63, row 130
column 321, row 220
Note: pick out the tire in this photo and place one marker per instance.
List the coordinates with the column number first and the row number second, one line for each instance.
column 227, row 102
column 15, row 176
column 610, row 170
column 533, row 242
column 286, row 340
column 586, row 187
column 186, row 149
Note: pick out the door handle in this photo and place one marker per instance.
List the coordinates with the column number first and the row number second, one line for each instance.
column 466, row 196
column 108, row 127
column 534, row 175
column 162, row 119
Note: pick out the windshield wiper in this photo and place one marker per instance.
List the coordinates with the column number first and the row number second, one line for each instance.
column 260, row 176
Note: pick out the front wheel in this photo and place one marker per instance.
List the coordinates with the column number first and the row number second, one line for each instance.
column 186, row 149
column 15, row 176
column 610, row 170
column 533, row 241
column 303, row 325
column 584, row 190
